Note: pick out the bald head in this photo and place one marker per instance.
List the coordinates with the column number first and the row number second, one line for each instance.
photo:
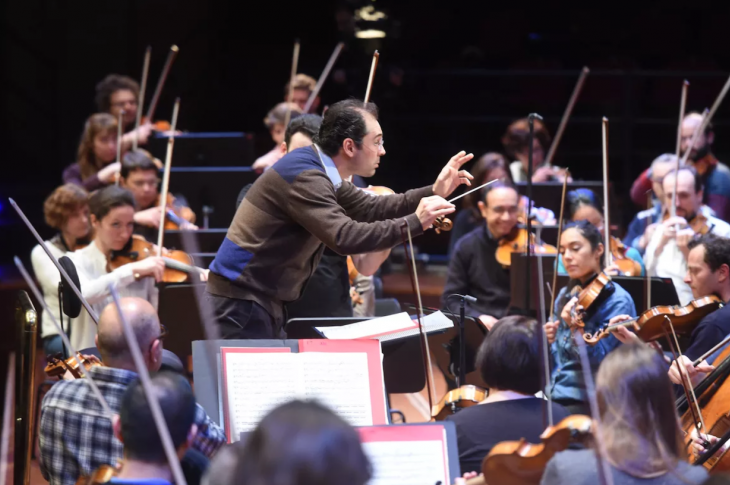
column 110, row 340
column 690, row 124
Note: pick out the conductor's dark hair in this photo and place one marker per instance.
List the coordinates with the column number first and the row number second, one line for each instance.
column 308, row 125
column 138, row 159
column 109, row 85
column 343, row 120
column 104, row 200
column 302, row 443
column 717, row 250
column 139, row 432
column 509, row 357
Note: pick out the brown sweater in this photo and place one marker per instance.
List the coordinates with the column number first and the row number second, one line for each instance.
column 276, row 238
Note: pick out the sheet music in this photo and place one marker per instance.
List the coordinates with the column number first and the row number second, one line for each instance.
column 369, row 328
column 406, row 462
column 341, row 381
column 431, row 323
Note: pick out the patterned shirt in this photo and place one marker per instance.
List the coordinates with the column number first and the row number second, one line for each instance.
column 76, row 437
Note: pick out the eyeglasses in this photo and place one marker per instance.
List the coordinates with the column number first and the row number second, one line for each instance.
column 379, row 145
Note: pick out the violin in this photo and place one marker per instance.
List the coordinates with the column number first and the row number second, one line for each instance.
column 626, row 265
column 101, row 475
column 587, row 296
column 178, row 264
column 160, row 125
column 649, row 325
column 177, row 216
column 456, row 399
column 58, row 367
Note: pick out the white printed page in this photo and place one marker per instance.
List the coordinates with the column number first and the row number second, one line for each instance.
column 406, row 462
column 369, row 328
column 341, row 382
column 258, row 382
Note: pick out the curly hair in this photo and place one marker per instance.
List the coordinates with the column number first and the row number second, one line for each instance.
column 62, row 203
column 111, row 84
column 97, row 123
column 301, row 81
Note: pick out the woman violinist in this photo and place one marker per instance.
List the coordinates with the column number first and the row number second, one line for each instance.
column 516, row 141
column 67, row 211
column 95, row 166
column 638, row 424
column 582, row 251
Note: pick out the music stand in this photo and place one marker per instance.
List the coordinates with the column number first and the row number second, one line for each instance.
column 178, row 310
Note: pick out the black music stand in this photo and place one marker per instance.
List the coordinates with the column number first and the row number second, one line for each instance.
column 222, row 149
column 179, row 313
column 402, row 362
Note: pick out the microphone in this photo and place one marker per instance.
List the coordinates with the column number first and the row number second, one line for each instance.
column 468, row 298
column 71, row 302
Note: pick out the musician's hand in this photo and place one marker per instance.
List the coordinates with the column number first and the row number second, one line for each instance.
column 565, row 314
column 551, row 331
column 612, row 270
column 452, row 176
column 684, row 236
column 624, row 335
column 91, row 358
column 701, row 443
column 151, row 266
column 543, row 174
column 109, row 173
column 696, row 374
column 188, row 226
column 204, row 274
column 431, row 208
column 148, row 217
column 466, row 476
column 488, row 321
column 646, row 237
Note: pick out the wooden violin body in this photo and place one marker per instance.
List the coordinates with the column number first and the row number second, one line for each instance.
column 523, row 463
column 650, row 324
column 587, row 296
column 456, row 399
column 517, row 243
column 178, row 264
column 58, row 367
column 626, row 265
column 101, row 475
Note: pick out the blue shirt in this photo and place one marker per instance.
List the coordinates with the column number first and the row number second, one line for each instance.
column 638, row 226
column 567, row 378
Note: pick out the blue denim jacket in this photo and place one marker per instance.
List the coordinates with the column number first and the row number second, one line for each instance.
column 567, row 378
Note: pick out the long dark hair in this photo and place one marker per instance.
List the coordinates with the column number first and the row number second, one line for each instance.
column 302, row 443
column 594, row 238
column 579, row 198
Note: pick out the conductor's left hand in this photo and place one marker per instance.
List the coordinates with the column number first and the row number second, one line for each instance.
column 452, row 176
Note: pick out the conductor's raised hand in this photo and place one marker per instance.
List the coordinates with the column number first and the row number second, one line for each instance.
column 431, row 208
column 452, row 176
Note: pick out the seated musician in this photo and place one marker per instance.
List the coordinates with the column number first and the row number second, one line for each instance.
column 509, row 363
column 112, row 217
column 638, row 426
column 714, row 175
column 144, row 456
column 274, row 121
column 516, row 141
column 708, row 273
column 666, row 253
column 303, row 87
column 139, row 175
column 297, row 443
column 67, row 211
column 117, row 93
column 473, row 268
column 582, row 249
column 76, row 437
column 96, row 164
column 490, row 166
column 583, row 205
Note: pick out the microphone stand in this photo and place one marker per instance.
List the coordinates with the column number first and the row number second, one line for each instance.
column 461, row 376
column 528, row 209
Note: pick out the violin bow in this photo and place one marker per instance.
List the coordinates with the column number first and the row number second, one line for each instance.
column 64, row 274
column 428, row 370
column 601, row 454
column 682, row 107
column 547, row 403
column 560, row 233
column 695, row 136
column 161, row 82
column 294, row 64
column 142, row 90
column 647, row 276
column 566, row 115
column 166, row 177
column 152, row 400
column 528, row 247
column 119, row 145
column 373, row 67
column 47, row 313
column 323, row 77
column 7, row 419
column 606, row 219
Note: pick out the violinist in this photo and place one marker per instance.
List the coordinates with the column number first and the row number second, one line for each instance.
column 473, row 267
column 95, row 166
column 112, row 217
column 305, row 202
column 302, row 88
column 516, row 141
column 274, row 121
column 582, row 250
column 67, row 211
column 76, row 437
column 667, row 250
column 117, row 94
column 583, row 205
column 638, row 425
column 509, row 363
column 139, row 175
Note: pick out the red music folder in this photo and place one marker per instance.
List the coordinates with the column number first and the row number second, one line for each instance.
column 345, row 375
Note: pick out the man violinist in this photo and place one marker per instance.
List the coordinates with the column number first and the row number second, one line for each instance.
column 302, row 88
column 305, row 202
column 117, row 94
column 667, row 251
column 474, row 269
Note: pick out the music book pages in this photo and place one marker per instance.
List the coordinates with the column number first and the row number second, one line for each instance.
column 387, row 328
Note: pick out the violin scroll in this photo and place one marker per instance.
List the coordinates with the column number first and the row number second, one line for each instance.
column 442, row 224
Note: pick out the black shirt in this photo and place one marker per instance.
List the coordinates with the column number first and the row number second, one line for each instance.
column 327, row 293
column 710, row 331
column 480, row 427
column 464, row 223
column 474, row 270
